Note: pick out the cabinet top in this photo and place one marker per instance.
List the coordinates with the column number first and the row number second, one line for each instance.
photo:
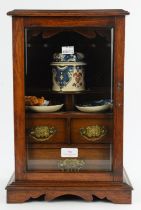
column 44, row 13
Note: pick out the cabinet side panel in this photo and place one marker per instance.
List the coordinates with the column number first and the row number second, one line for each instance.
column 18, row 77
column 118, row 97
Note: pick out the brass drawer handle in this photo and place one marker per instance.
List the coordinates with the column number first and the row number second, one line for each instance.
column 42, row 133
column 71, row 165
column 93, row 133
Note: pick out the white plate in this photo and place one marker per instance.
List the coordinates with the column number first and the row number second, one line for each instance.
column 52, row 108
column 94, row 108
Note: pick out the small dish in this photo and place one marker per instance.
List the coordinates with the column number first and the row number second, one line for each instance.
column 93, row 108
column 96, row 106
column 52, row 108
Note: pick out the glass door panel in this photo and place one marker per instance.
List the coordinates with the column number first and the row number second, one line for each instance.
column 81, row 121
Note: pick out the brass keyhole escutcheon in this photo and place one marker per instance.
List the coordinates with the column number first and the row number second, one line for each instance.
column 119, row 86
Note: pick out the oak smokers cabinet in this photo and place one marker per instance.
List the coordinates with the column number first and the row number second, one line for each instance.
column 69, row 151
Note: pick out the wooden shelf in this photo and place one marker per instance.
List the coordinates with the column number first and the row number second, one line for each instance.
column 69, row 114
column 58, row 146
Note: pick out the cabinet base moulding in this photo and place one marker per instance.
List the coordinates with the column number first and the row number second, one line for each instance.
column 116, row 192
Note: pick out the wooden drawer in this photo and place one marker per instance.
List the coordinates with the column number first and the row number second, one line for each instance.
column 48, row 131
column 97, row 153
column 91, row 130
column 98, row 158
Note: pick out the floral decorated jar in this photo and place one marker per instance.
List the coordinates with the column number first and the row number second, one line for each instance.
column 68, row 76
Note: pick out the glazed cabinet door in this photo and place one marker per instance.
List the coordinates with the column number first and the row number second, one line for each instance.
column 59, row 133
column 43, row 47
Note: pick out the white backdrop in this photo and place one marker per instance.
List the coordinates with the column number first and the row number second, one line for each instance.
column 132, row 114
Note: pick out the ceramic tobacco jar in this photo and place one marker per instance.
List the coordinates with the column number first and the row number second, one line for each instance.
column 68, row 72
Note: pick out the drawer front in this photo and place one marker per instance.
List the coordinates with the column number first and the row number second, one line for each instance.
column 88, row 159
column 48, row 131
column 91, row 131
